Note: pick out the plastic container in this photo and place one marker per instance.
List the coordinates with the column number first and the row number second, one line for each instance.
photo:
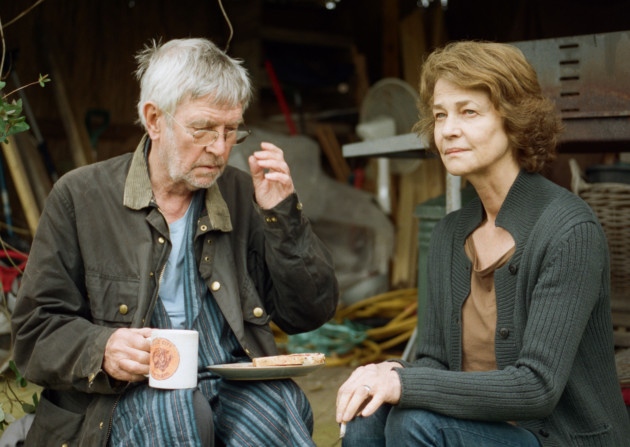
column 617, row 173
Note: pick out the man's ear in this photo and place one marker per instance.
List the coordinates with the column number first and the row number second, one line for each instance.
column 151, row 114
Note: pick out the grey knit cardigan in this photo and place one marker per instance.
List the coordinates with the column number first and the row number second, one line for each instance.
column 554, row 345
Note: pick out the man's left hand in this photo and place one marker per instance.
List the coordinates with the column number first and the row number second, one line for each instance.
column 270, row 172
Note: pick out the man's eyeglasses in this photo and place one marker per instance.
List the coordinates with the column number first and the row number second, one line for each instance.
column 206, row 137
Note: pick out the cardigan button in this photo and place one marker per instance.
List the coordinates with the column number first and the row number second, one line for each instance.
column 216, row 285
column 123, row 309
column 513, row 269
column 258, row 312
column 504, row 333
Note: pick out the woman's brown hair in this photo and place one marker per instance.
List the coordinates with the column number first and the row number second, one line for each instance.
column 501, row 70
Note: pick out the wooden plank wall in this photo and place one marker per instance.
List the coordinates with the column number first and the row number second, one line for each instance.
column 427, row 180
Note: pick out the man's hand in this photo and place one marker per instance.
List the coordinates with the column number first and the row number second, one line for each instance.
column 272, row 179
column 127, row 354
column 367, row 388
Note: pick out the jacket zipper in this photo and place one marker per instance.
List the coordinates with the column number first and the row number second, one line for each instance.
column 150, row 311
column 111, row 418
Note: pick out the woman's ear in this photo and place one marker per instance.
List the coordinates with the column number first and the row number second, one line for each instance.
column 151, row 115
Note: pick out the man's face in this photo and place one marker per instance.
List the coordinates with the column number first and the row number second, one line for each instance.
column 188, row 163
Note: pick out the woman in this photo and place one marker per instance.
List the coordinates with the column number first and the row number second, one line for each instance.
column 516, row 347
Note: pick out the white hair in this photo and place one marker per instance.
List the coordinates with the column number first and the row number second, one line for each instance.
column 187, row 69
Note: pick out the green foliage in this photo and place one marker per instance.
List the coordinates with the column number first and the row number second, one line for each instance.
column 11, row 119
column 12, row 398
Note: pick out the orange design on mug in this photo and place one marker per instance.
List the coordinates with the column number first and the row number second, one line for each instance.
column 164, row 359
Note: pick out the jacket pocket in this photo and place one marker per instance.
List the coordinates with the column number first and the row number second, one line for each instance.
column 113, row 300
column 54, row 426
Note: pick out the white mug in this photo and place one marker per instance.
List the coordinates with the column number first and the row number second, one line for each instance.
column 173, row 363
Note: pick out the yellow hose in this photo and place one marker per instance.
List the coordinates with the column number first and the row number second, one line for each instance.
column 399, row 306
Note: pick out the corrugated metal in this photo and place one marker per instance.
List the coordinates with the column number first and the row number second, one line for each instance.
column 589, row 79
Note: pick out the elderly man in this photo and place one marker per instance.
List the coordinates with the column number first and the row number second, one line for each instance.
column 170, row 236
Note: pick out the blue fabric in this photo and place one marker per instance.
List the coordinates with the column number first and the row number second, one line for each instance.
column 393, row 426
column 251, row 413
column 172, row 284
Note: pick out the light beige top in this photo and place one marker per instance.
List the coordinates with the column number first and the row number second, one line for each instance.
column 479, row 313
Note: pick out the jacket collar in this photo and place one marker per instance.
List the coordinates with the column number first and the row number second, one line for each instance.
column 138, row 193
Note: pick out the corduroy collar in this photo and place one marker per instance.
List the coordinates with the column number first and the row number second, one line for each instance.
column 139, row 194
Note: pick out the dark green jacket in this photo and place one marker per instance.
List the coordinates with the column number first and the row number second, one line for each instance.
column 94, row 266
column 554, row 344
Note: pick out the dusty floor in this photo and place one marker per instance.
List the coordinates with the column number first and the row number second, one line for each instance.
column 321, row 389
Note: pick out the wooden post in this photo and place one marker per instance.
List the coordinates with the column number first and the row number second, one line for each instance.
column 330, row 145
column 22, row 185
column 391, row 27
column 78, row 138
column 33, row 163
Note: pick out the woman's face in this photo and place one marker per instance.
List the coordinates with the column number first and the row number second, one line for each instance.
column 469, row 133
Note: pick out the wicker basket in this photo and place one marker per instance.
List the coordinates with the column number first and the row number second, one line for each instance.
column 622, row 360
column 611, row 203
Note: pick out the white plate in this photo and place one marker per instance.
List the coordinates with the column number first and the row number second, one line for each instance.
column 247, row 371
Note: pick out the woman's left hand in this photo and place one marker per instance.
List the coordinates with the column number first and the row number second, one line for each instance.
column 271, row 175
column 367, row 388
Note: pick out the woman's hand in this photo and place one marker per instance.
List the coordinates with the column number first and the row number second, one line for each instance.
column 367, row 388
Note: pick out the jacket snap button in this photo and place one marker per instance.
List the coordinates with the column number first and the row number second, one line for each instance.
column 161, row 240
column 542, row 432
column 258, row 312
column 204, row 228
column 123, row 309
column 299, row 206
column 216, row 285
column 504, row 332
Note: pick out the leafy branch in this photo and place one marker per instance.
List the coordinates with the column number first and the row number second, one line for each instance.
column 6, row 416
column 11, row 112
column 11, row 122
column 11, row 119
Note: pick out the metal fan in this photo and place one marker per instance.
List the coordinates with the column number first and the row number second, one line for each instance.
column 388, row 109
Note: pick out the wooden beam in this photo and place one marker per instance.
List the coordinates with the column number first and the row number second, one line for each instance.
column 21, row 182
column 413, row 45
column 391, row 64
column 330, row 145
column 77, row 135
column 38, row 176
column 425, row 182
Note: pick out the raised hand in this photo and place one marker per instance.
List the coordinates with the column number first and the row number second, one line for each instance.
column 270, row 172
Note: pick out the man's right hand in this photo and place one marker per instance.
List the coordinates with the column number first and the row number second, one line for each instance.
column 127, row 354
